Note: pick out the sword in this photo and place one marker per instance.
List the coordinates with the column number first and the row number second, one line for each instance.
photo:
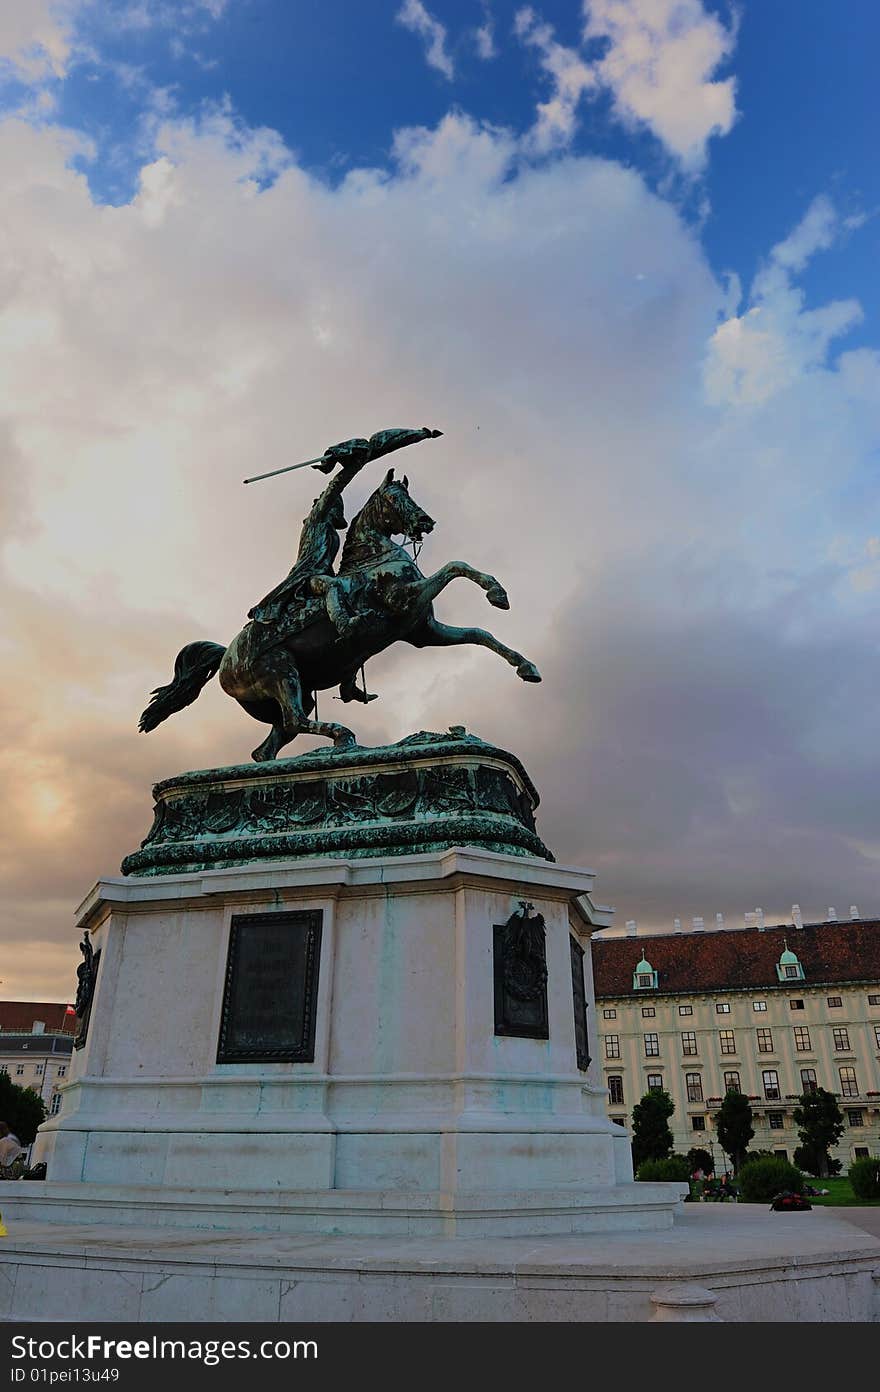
column 320, row 459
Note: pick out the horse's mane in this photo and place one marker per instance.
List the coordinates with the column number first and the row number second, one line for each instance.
column 362, row 523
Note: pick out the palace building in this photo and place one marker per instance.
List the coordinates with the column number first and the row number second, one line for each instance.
column 773, row 1011
column 36, row 1043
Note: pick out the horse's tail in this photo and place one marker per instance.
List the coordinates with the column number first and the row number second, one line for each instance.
column 194, row 665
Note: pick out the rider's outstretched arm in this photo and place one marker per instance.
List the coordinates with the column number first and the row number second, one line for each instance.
column 334, row 488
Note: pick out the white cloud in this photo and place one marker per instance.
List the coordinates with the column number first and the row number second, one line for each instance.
column 484, row 40
column 660, row 67
column 484, row 35
column 571, row 77
column 670, row 564
column 816, row 231
column 413, row 16
column 769, row 347
column 35, row 37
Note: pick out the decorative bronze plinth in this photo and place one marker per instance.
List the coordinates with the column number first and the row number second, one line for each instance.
column 426, row 793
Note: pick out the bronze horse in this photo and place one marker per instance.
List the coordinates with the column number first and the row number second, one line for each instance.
column 274, row 673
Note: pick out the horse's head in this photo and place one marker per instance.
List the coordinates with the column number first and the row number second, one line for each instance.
column 396, row 513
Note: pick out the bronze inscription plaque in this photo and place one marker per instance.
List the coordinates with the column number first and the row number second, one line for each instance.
column 271, row 988
column 579, row 995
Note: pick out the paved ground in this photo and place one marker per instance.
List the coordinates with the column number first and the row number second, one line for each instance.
column 868, row 1219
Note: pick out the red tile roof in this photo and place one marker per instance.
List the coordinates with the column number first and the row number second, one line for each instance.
column 740, row 958
column 20, row 1016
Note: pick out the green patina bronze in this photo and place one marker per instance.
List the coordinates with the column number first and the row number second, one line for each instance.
column 426, row 793
column 315, row 630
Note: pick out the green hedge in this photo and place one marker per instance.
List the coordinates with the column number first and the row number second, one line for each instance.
column 762, row 1179
column 661, row 1171
column 864, row 1176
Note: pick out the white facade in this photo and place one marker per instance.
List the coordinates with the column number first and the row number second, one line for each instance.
column 39, row 1059
column 772, row 1043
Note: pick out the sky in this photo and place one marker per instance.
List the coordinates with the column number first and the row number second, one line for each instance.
column 622, row 252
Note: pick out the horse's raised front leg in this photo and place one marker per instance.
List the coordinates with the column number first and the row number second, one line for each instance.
column 433, row 634
column 460, row 570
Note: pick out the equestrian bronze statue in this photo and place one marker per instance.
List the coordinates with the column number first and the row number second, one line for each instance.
column 316, row 629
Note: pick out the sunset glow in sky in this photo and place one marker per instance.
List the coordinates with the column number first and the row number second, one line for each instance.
column 622, row 252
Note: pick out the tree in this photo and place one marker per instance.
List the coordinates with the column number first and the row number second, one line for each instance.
column 22, row 1109
column 735, row 1129
column 820, row 1126
column 652, row 1138
column 700, row 1159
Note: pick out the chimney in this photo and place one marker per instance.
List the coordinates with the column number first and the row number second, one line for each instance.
column 699, row 925
column 832, row 916
column 631, row 928
column 751, row 920
column 797, row 917
column 676, row 925
column 854, row 912
column 719, row 923
column 759, row 919
column 38, row 1027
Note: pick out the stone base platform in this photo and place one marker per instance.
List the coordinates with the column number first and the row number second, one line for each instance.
column 736, row 1263
column 496, row 1213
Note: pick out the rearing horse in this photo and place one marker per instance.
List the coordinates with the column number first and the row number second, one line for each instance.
column 274, row 672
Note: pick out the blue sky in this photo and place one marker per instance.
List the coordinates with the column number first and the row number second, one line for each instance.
column 336, row 78
column 622, row 252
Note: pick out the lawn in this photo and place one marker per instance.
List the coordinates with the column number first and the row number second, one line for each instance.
column 840, row 1194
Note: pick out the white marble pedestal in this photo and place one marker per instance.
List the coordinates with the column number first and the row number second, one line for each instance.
column 413, row 1116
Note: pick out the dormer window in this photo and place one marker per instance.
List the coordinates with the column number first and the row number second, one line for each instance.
column 788, row 968
column 644, row 977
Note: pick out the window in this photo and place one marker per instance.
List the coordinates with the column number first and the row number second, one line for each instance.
column 612, row 1046
column 759, row 1005
column 688, row 1042
column 645, row 980
column 874, row 1000
column 619, row 1121
column 781, row 1154
column 615, row 1089
column 848, row 1085
column 795, row 1005
column 861, row 1152
column 834, row 1002
column 655, row 1080
column 792, row 972
column 55, row 1107
column 648, row 1012
column 731, row 1082
column 609, row 1014
column 722, row 1008
column 877, row 1035
column 776, row 1121
column 770, row 1080
column 685, row 1010
column 765, row 1041
column 62, row 1071
column 808, row 1080
column 856, row 1117
column 728, row 1041
column 39, row 1070
column 652, row 1046
column 698, row 1123
column 19, row 1069
column 841, row 1040
column 694, row 1084
column 802, row 1039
